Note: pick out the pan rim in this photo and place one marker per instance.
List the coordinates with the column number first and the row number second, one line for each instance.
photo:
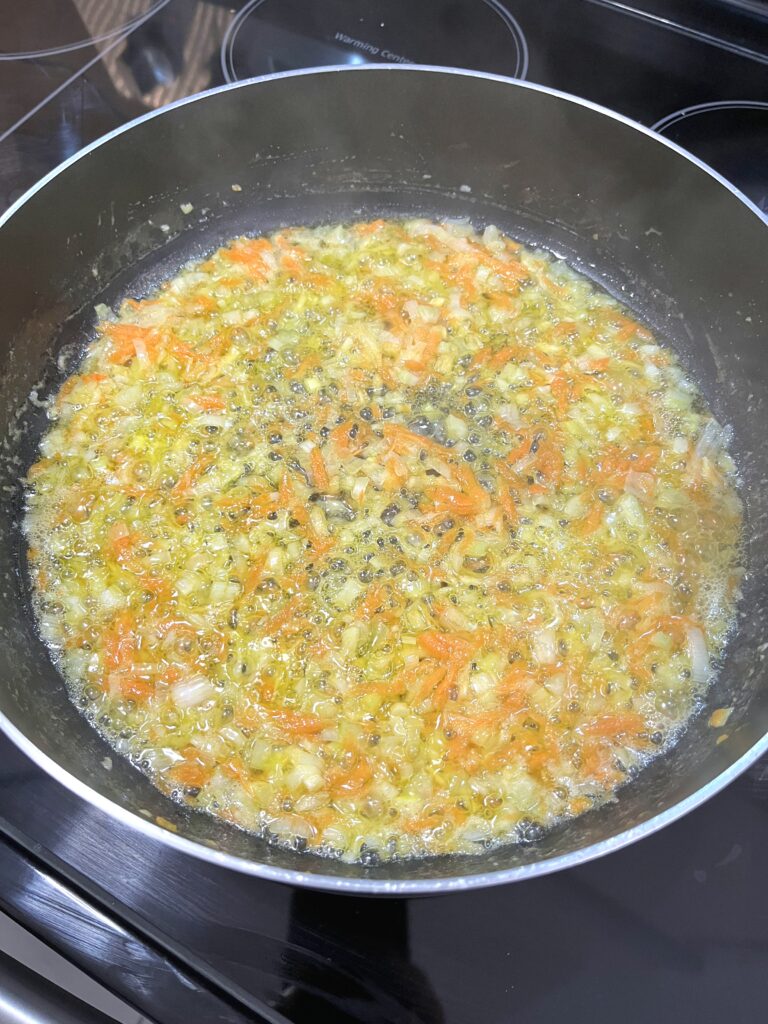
column 372, row 69
column 370, row 885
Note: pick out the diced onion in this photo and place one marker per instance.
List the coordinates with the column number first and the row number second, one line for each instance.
column 191, row 692
column 640, row 485
column 545, row 646
column 697, row 652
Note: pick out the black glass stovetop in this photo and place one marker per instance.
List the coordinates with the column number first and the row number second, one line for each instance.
column 672, row 928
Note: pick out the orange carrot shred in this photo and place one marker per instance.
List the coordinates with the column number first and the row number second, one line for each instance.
column 319, row 472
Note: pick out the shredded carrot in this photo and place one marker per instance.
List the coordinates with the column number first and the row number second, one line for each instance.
column 565, row 329
column 340, row 438
column 250, row 253
column 550, row 461
column 503, row 356
column 507, row 504
column 255, row 575
column 131, row 340
column 309, row 362
column 447, row 499
column 446, row 645
column 296, row 724
column 370, row 228
column 319, row 472
column 284, row 618
column 203, row 304
column 522, row 448
column 615, row 725
column 629, row 328
column 469, row 500
column 352, row 780
column 194, row 771
column 427, row 682
column 236, row 769
column 184, row 353
column 211, row 403
column 372, row 602
column 190, row 476
column 427, row 342
column 121, row 540
column 562, row 389
column 591, row 521
column 405, row 441
column 120, row 642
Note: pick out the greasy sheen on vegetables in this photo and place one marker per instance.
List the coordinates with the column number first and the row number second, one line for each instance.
column 384, row 539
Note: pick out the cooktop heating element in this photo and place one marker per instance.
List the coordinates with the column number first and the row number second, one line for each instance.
column 279, row 35
column 730, row 135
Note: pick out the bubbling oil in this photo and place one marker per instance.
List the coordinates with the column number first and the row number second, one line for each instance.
column 385, row 539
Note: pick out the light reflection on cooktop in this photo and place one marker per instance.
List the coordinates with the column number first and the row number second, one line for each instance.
column 51, row 27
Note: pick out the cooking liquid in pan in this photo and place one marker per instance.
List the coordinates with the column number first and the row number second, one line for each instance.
column 386, row 540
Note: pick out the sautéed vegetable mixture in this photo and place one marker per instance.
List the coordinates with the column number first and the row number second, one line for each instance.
column 384, row 539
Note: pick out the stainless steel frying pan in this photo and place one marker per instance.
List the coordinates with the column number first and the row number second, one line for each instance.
column 646, row 220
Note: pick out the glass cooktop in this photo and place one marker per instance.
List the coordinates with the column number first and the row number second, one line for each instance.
column 70, row 70
column 675, row 927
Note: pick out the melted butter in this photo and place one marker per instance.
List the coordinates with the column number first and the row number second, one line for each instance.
column 384, row 539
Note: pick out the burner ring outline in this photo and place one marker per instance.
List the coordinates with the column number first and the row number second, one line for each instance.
column 703, row 108
column 233, row 30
